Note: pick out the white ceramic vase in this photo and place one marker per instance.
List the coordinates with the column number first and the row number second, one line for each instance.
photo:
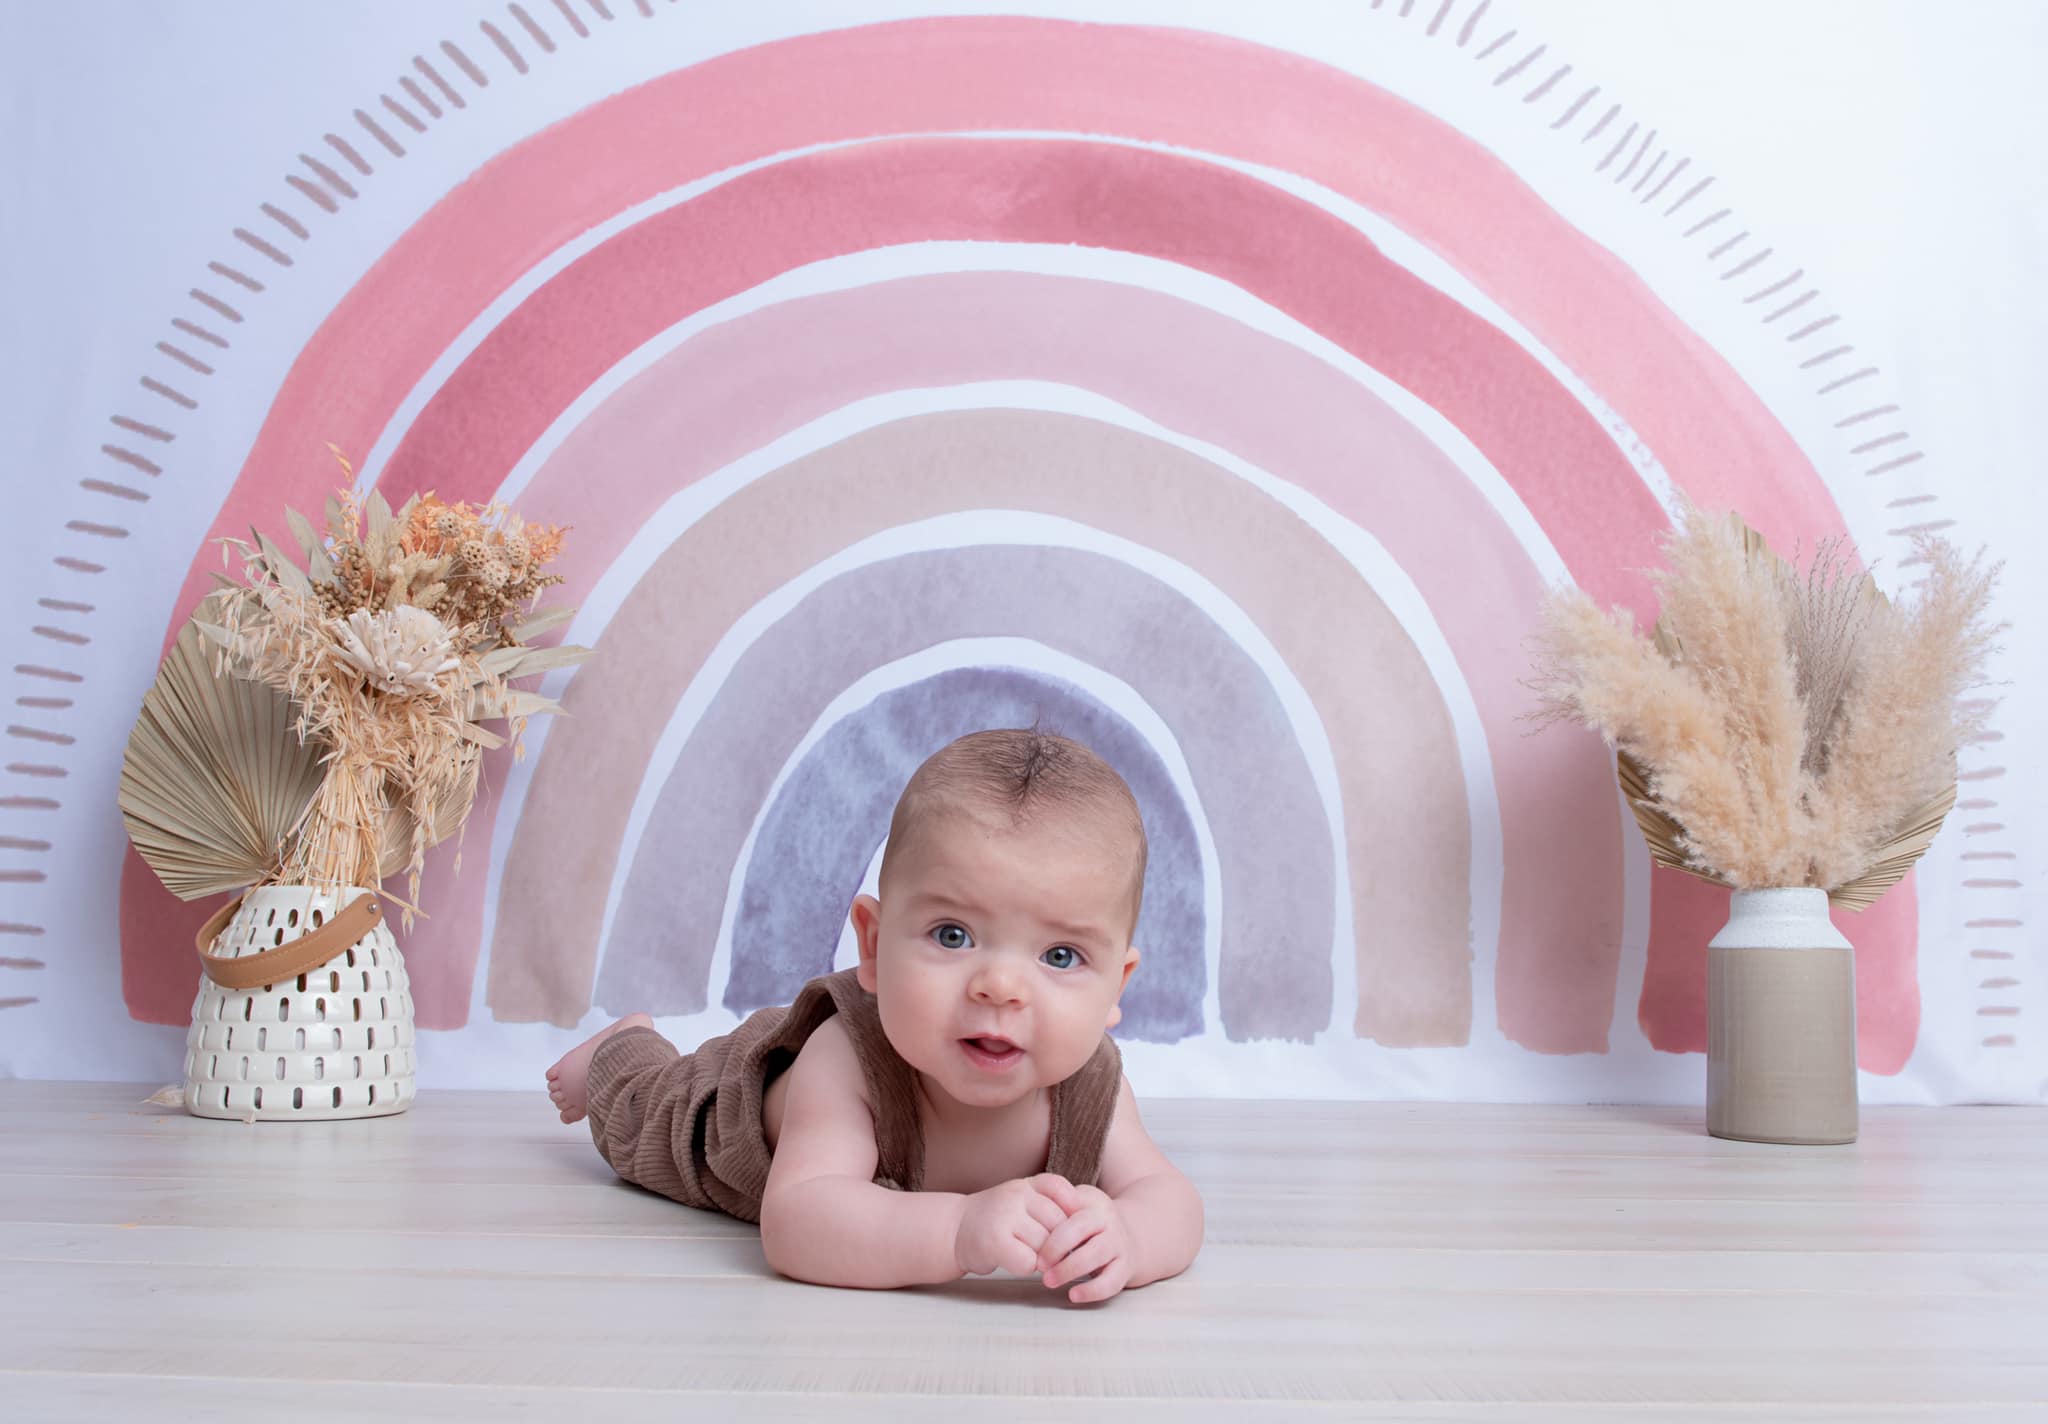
column 1781, row 1022
column 333, row 1042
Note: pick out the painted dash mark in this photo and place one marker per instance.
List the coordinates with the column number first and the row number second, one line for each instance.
column 403, row 114
column 108, row 487
column 1619, row 144
column 238, row 277
column 1726, row 244
column 377, row 131
column 1518, row 66
column 83, row 566
column 40, row 734
column 1442, row 11
column 209, row 300
column 184, row 358
column 1778, row 286
column 539, row 35
column 130, row 458
column 1841, row 381
column 1648, row 139
column 313, row 193
column 1577, row 104
column 419, row 96
column 98, row 531
column 175, row 397
column 8, row 961
column 464, row 63
column 37, row 768
column 1547, row 85
column 329, row 175
column 1688, row 195
column 1792, row 306
column 575, row 20
column 505, row 46
column 50, row 673
column 1743, row 266
column 1671, row 173
column 1504, row 39
column 1472, row 23
column 1811, row 327
column 419, row 62
column 1889, row 465
column 191, row 328
column 285, row 220
column 1706, row 222
column 349, row 155
column 147, row 432
column 251, row 240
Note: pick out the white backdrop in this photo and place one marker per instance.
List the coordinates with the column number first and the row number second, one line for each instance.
column 1881, row 148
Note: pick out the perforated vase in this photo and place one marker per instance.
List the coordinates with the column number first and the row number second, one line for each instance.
column 283, row 1029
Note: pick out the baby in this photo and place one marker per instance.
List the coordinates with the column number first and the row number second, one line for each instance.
column 964, row 1062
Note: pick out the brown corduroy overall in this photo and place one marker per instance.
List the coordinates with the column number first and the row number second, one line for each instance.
column 689, row 1126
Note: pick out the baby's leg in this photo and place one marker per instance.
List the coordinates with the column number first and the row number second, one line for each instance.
column 569, row 1079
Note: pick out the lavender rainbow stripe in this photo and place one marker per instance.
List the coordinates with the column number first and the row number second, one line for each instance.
column 823, row 825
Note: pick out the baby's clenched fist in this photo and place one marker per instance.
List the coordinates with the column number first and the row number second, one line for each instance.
column 1008, row 1225
column 1091, row 1242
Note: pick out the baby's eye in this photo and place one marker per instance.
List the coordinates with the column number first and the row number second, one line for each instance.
column 953, row 937
column 1062, row 956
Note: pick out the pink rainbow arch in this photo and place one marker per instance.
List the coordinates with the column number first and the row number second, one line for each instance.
column 1195, row 91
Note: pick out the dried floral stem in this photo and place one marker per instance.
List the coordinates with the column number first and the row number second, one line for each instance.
column 1788, row 730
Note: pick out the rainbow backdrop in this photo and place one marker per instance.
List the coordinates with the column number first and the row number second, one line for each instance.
column 662, row 321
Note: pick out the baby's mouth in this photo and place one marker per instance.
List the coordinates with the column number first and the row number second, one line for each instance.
column 991, row 1050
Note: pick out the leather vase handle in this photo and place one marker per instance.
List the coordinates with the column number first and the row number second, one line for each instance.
column 287, row 961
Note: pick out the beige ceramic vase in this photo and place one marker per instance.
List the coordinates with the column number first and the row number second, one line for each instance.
column 1781, row 1022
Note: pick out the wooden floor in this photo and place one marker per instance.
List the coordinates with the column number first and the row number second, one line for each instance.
column 474, row 1259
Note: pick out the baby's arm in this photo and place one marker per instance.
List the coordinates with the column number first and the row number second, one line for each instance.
column 824, row 1220
column 1143, row 1224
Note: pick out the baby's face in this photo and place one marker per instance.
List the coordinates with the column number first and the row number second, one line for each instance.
column 997, row 954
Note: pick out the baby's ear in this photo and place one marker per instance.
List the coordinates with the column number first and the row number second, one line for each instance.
column 1116, row 1010
column 866, row 916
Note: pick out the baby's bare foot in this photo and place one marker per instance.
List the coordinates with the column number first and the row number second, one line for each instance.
column 569, row 1079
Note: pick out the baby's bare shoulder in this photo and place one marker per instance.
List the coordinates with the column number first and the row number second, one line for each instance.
column 816, row 1114
column 826, row 1069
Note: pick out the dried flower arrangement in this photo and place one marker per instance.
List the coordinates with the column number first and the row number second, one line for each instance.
column 384, row 655
column 1779, row 729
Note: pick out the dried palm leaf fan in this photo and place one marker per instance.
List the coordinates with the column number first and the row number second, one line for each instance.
column 1894, row 858
column 1889, row 861
column 216, row 780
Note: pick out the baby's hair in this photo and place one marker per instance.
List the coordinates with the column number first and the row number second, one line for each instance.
column 1025, row 773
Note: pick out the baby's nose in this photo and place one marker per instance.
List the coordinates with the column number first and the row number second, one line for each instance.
column 997, row 983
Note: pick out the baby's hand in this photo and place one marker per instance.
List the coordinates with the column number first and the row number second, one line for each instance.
column 1091, row 1241
column 1006, row 1225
